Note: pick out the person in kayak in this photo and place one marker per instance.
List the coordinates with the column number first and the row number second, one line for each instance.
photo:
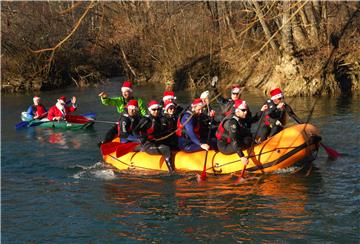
column 169, row 124
column 149, row 130
column 233, row 134
column 60, row 110
column 126, row 124
column 37, row 110
column 189, row 127
column 275, row 118
column 121, row 102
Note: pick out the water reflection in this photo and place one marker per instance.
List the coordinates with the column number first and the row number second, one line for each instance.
column 261, row 205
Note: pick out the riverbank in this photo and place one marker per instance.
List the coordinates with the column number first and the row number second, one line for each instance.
column 306, row 48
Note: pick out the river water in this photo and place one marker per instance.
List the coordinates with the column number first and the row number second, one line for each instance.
column 55, row 188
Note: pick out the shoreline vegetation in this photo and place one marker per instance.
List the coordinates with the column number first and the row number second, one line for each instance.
column 305, row 47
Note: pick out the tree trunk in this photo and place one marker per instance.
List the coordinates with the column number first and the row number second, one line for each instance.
column 265, row 26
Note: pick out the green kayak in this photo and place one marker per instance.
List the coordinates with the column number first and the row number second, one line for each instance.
column 60, row 124
column 73, row 122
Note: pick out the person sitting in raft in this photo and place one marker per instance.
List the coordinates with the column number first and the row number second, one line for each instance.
column 170, row 96
column 37, row 110
column 126, row 124
column 60, row 110
column 188, row 129
column 149, row 130
column 126, row 96
column 208, row 116
column 275, row 117
column 233, row 134
column 169, row 124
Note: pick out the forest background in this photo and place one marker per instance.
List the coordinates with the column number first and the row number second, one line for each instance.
column 304, row 47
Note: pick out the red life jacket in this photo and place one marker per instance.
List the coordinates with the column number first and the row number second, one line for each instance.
column 221, row 133
column 180, row 127
column 39, row 110
column 150, row 131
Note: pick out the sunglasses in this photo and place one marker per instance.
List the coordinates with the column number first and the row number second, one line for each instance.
column 236, row 94
column 154, row 109
column 243, row 110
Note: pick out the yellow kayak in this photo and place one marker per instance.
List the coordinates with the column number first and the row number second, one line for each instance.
column 296, row 145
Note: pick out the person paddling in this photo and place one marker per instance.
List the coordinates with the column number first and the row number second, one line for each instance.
column 189, row 127
column 60, row 110
column 121, row 102
column 275, row 118
column 37, row 110
column 149, row 130
column 233, row 134
column 169, row 124
column 125, row 126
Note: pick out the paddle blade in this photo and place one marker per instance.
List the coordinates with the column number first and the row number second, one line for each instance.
column 125, row 148
column 77, row 119
column 22, row 124
column 331, row 152
column 109, row 147
column 89, row 115
column 241, row 177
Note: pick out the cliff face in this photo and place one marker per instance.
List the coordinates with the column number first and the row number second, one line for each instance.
column 306, row 48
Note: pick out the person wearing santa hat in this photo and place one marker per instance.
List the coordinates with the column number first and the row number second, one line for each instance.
column 227, row 105
column 189, row 129
column 233, row 134
column 208, row 116
column 275, row 117
column 121, row 101
column 60, row 110
column 125, row 126
column 150, row 132
column 169, row 124
column 170, row 96
column 37, row 110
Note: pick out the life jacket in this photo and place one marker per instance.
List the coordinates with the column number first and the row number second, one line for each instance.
column 228, row 109
column 221, row 133
column 180, row 127
column 129, row 126
column 224, row 135
column 150, row 131
column 39, row 110
column 269, row 121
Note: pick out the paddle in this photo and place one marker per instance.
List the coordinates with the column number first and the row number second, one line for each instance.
column 22, row 124
column 332, row 153
column 203, row 173
column 120, row 148
column 125, row 148
column 251, row 148
column 110, row 147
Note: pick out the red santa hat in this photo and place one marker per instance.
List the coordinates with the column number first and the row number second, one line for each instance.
column 197, row 102
column 126, row 86
column 168, row 104
column 132, row 104
column 63, row 99
column 235, row 89
column 240, row 104
column 153, row 105
column 168, row 95
column 276, row 93
column 36, row 98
